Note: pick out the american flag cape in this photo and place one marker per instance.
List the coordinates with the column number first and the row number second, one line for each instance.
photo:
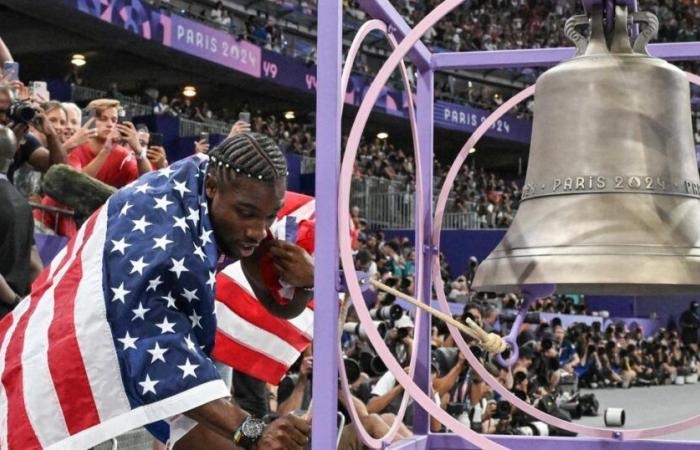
column 248, row 337
column 117, row 330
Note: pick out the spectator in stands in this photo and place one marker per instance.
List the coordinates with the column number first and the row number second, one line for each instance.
column 57, row 117
column 690, row 323
column 104, row 158
column 74, row 118
column 30, row 149
column 19, row 259
column 155, row 153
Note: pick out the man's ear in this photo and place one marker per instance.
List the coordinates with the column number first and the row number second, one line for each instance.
column 211, row 186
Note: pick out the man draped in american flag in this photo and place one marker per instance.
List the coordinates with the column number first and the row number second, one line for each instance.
column 117, row 332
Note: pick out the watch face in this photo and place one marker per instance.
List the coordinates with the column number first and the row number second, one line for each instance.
column 252, row 428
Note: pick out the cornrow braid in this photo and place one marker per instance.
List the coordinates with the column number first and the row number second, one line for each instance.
column 251, row 154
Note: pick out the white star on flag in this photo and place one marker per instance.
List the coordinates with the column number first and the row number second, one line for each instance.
column 157, row 353
column 212, row 279
column 193, row 216
column 143, row 188
column 165, row 326
column 125, row 209
column 205, row 237
column 165, row 172
column 190, row 295
column 138, row 266
column 178, row 266
column 120, row 293
column 140, row 312
column 120, row 246
column 181, row 223
column 148, row 385
column 128, row 341
column 205, row 206
column 198, row 251
column 154, row 283
column 162, row 203
column 194, row 318
column 189, row 343
column 171, row 301
column 180, row 187
column 141, row 224
column 188, row 369
column 162, row 242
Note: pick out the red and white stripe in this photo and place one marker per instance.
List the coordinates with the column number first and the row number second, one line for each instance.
column 248, row 337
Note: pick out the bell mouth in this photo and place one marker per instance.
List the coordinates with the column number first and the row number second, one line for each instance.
column 658, row 271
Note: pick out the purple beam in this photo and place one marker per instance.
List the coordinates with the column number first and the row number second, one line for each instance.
column 412, row 443
column 328, row 107
column 588, row 4
column 503, row 59
column 446, row 441
column 424, row 116
column 384, row 11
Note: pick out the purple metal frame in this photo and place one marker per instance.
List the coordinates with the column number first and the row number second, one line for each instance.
column 328, row 185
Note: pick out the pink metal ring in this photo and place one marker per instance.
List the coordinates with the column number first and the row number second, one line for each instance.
column 345, row 246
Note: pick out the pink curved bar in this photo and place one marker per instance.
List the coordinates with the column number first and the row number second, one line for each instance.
column 345, row 246
column 464, row 348
column 364, row 30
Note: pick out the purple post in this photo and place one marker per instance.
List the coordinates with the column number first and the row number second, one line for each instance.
column 328, row 128
column 424, row 116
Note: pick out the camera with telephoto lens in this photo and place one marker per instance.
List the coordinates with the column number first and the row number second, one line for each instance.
column 358, row 330
column 21, row 112
column 391, row 312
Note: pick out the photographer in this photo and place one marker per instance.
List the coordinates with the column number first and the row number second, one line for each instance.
column 690, row 323
column 19, row 259
column 19, row 116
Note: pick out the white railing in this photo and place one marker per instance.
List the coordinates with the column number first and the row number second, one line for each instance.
column 189, row 128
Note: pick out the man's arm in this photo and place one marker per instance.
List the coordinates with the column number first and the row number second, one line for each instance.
column 296, row 268
column 444, row 384
column 35, row 265
column 295, row 400
column 223, row 418
column 7, row 295
column 379, row 403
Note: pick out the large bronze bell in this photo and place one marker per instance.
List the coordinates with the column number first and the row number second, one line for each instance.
column 611, row 203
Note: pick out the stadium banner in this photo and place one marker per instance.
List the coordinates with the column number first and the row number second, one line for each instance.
column 465, row 118
column 177, row 32
column 215, row 45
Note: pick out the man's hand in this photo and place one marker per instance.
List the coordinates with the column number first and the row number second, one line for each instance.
column 84, row 134
column 201, row 146
column 238, row 128
column 286, row 433
column 307, row 367
column 156, row 155
column 130, row 135
column 43, row 125
column 293, row 263
column 490, row 411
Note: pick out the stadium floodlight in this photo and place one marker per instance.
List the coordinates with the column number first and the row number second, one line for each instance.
column 290, row 115
column 78, row 60
column 189, row 91
column 382, row 135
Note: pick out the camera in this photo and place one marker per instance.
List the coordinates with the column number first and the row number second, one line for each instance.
column 391, row 312
column 21, row 112
column 503, row 409
column 358, row 330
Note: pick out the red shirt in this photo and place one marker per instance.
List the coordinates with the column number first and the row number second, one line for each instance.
column 119, row 169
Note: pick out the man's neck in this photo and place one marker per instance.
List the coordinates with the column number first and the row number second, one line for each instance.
column 96, row 145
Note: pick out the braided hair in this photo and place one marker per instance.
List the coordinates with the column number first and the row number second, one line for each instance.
column 253, row 155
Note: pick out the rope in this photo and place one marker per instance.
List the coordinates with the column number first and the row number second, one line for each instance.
column 491, row 342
